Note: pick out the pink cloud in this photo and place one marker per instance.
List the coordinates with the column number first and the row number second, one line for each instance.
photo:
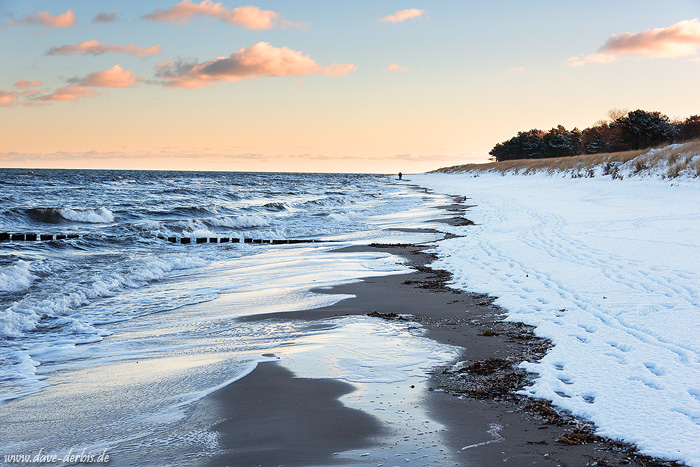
column 115, row 77
column 25, row 83
column 250, row 17
column 677, row 41
column 30, row 92
column 395, row 67
column 44, row 18
column 402, row 15
column 96, row 48
column 69, row 93
column 8, row 98
column 257, row 61
column 78, row 88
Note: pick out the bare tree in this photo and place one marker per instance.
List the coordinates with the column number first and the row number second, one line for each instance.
column 615, row 114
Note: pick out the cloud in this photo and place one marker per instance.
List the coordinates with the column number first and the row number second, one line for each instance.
column 96, row 48
column 250, row 17
column 44, row 18
column 161, row 154
column 211, row 156
column 677, row 41
column 402, row 15
column 115, row 77
column 8, row 98
column 592, row 58
column 395, row 67
column 257, row 61
column 25, row 83
column 105, row 17
column 422, row 157
column 78, row 88
column 11, row 98
column 69, row 93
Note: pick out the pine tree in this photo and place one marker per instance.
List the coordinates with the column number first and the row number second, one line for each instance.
column 641, row 129
column 558, row 143
column 689, row 129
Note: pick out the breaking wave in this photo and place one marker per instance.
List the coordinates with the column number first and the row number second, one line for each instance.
column 28, row 314
column 16, row 277
column 60, row 215
column 244, row 220
column 92, row 216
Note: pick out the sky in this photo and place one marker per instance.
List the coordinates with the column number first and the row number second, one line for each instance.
column 326, row 86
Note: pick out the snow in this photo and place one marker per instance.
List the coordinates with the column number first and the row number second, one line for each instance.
column 609, row 270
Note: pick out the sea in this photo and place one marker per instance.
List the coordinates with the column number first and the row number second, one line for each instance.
column 112, row 329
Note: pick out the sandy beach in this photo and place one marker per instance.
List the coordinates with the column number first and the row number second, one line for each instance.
column 275, row 418
column 287, row 420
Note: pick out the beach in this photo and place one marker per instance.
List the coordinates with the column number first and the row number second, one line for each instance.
column 395, row 340
column 117, row 337
column 606, row 269
column 356, row 234
column 276, row 418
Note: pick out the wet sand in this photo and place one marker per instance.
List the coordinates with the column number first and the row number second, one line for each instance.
column 273, row 418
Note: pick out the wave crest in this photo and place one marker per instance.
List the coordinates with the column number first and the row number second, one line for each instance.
column 243, row 221
column 16, row 278
column 59, row 215
column 91, row 216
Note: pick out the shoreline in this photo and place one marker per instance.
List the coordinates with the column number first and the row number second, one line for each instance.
column 474, row 397
column 274, row 404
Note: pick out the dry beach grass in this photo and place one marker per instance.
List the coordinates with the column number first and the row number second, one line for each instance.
column 669, row 161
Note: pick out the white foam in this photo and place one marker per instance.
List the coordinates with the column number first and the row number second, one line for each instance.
column 242, row 221
column 93, row 216
column 24, row 315
column 16, row 277
column 343, row 216
column 200, row 233
column 18, row 374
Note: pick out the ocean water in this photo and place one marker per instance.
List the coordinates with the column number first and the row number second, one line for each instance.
column 118, row 332
column 70, row 292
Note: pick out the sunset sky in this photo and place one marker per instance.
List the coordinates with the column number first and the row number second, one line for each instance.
column 326, row 86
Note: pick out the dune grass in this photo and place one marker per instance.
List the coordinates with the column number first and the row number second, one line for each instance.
column 668, row 161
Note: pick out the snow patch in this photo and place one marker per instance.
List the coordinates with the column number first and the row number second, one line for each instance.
column 609, row 270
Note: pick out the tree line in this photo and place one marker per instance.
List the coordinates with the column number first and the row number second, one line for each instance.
column 625, row 131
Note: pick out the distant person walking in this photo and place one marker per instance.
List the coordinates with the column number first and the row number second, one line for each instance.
column 400, row 175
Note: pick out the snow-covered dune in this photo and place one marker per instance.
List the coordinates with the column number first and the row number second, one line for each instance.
column 673, row 161
column 609, row 270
